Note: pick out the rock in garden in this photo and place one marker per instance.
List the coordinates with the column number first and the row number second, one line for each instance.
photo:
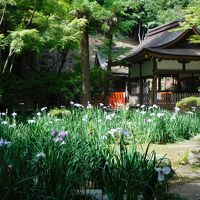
column 194, row 157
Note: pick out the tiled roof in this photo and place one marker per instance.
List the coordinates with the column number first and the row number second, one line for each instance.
column 158, row 40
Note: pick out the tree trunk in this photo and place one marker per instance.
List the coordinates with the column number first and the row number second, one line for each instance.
column 3, row 14
column 85, row 68
column 139, row 33
column 32, row 15
column 7, row 62
column 12, row 63
column 63, row 60
column 107, row 85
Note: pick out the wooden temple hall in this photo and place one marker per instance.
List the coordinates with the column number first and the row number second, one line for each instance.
column 164, row 68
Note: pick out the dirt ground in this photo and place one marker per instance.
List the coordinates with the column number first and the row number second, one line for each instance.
column 186, row 182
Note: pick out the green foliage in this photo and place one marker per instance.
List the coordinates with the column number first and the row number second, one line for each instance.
column 192, row 18
column 189, row 104
column 63, row 35
column 22, row 40
column 0, row 94
column 1, row 39
column 184, row 159
column 124, row 177
column 165, row 11
column 162, row 126
column 88, row 9
column 59, row 112
column 151, row 13
column 97, row 76
column 9, row 2
column 118, row 20
column 38, row 25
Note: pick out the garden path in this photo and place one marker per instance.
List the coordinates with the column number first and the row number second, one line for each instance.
column 187, row 179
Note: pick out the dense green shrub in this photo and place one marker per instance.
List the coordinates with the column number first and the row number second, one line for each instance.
column 41, row 89
column 189, row 104
column 97, row 83
column 47, row 89
column 0, row 95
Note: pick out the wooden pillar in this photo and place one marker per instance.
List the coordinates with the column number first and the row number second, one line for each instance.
column 154, row 90
column 141, row 86
column 154, row 84
column 183, row 65
column 126, row 91
column 159, row 83
column 129, row 81
column 178, row 84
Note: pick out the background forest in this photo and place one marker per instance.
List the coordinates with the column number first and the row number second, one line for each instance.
column 44, row 44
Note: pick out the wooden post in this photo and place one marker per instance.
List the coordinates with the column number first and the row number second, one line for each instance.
column 183, row 65
column 154, row 89
column 154, row 84
column 178, row 84
column 159, row 83
column 141, row 86
column 129, row 81
column 86, row 96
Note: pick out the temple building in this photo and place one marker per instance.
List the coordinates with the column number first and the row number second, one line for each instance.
column 165, row 67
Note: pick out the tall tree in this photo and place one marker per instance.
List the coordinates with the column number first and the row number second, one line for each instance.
column 92, row 11
column 118, row 21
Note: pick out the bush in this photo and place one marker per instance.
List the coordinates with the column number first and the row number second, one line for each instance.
column 59, row 112
column 189, row 104
column 47, row 89
column 0, row 95
column 97, row 77
column 40, row 89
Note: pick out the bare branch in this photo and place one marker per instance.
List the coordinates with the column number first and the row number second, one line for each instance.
column 32, row 15
column 3, row 14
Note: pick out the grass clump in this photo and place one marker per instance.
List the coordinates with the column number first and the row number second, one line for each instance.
column 184, row 159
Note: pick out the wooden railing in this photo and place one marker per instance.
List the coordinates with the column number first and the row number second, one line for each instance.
column 146, row 99
column 170, row 99
column 164, row 99
column 135, row 99
column 117, row 99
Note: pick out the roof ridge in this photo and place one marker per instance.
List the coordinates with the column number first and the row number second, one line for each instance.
column 162, row 28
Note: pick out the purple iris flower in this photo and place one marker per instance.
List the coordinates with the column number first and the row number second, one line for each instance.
column 63, row 134
column 54, row 132
column 125, row 132
column 58, row 139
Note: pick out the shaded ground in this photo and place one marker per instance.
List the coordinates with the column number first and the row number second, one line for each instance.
column 189, row 190
column 187, row 180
